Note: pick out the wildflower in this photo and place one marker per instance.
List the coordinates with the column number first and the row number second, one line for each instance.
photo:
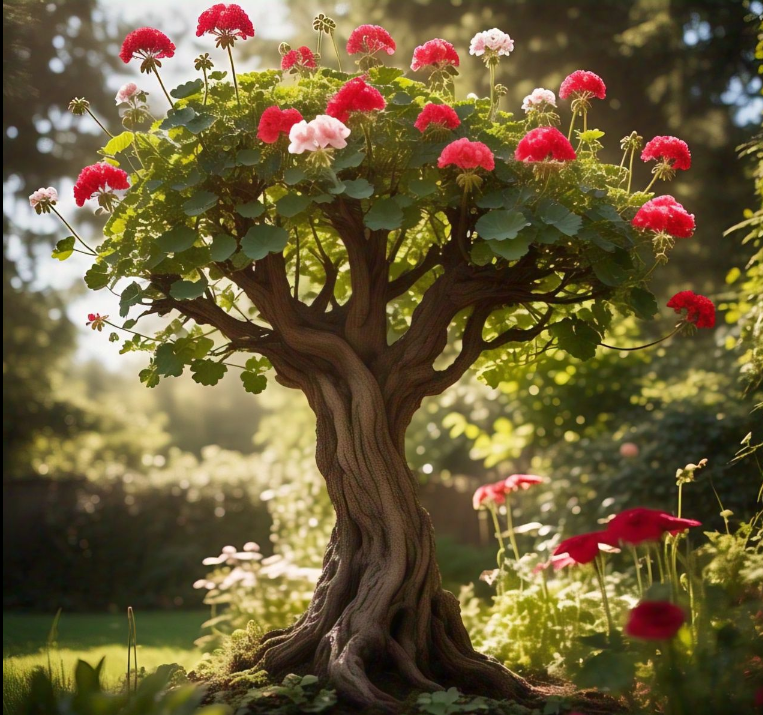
column 148, row 45
column 584, row 548
column 126, row 93
column 491, row 42
column 322, row 132
column 466, row 154
column 276, row 121
column 436, row 53
column 96, row 321
column 370, row 39
column 582, row 83
column 654, row 621
column 102, row 179
column 521, row 481
column 440, row 115
column 639, row 525
column 300, row 59
column 675, row 525
column 538, row 100
column 355, row 96
column 43, row 199
column 227, row 23
column 543, row 144
column 699, row 309
column 664, row 214
column 489, row 494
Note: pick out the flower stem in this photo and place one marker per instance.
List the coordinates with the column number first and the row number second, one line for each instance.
column 132, row 332
column 599, row 568
column 651, row 183
column 95, row 119
column 462, row 228
column 164, row 89
column 630, row 169
column 73, row 232
column 336, row 51
column 510, row 529
column 233, row 72
column 491, row 115
column 206, row 84
column 648, row 345
column 369, row 146
column 585, row 121
column 649, row 576
column 318, row 47
column 637, row 563
column 680, row 497
column 572, row 125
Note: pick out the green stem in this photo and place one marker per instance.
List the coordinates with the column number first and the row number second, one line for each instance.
column 73, row 232
column 599, row 568
column 680, row 498
column 462, row 228
column 336, row 51
column 164, row 89
column 660, row 566
column 630, row 169
column 651, row 183
column 649, row 575
column 206, row 84
column 95, row 119
column 622, row 161
column 643, row 347
column 585, row 121
column 369, row 146
column 320, row 38
column 233, row 72
column 491, row 116
column 572, row 125
column 496, row 525
column 637, row 563
column 510, row 525
column 132, row 332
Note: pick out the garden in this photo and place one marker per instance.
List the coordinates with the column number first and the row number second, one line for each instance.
column 374, row 359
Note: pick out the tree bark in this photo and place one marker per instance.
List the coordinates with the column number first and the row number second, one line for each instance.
column 379, row 624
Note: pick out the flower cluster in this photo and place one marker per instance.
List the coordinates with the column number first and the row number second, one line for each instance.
column 102, row 179
column 355, row 96
column 654, row 621
column 496, row 492
column 322, row 132
column 227, row 22
column 42, row 199
column 436, row 53
column 544, row 144
column 437, row 114
column 468, row 155
column 697, row 309
column 670, row 150
column 147, row 44
column 664, row 214
column 276, row 121
column 582, row 83
column 300, row 59
column 491, row 43
column 538, row 100
column 370, row 39
column 126, row 93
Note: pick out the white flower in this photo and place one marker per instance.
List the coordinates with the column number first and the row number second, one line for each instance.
column 537, row 98
column 323, row 131
column 473, row 96
column 126, row 92
column 42, row 195
column 494, row 40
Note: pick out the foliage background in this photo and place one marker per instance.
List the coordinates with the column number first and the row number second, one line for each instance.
column 113, row 494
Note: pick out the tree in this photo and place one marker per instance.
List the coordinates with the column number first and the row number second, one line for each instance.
column 369, row 275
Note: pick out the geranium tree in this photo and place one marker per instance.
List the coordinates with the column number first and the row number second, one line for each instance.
column 367, row 238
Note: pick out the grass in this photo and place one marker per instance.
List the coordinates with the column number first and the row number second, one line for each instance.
column 163, row 637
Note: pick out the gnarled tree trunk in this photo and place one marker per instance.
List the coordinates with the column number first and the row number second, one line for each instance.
column 380, row 623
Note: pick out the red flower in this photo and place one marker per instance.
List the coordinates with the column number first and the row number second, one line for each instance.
column 584, row 548
column 521, row 481
column 699, row 309
column 675, row 525
column 92, row 316
column 276, row 121
column 582, row 83
column 495, row 493
column 543, row 143
column 301, row 57
column 435, row 53
column 664, row 214
column 97, row 178
column 369, row 39
column 635, row 526
column 440, row 114
column 96, row 321
column 146, row 42
column 654, row 621
column 354, row 96
column 228, row 20
column 668, row 149
column 466, row 154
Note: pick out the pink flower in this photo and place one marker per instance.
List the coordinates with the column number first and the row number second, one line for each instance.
column 522, row 481
column 584, row 548
column 698, row 309
column 582, row 83
column 493, row 42
column 146, row 43
column 489, row 493
column 43, row 196
column 369, row 39
column 466, row 154
column 96, row 321
column 99, row 178
column 542, row 144
column 654, row 621
column 302, row 57
column 668, row 149
column 629, row 450
column 322, row 132
column 225, row 21
column 440, row 114
column 355, row 96
column 539, row 98
column 558, row 562
column 664, row 214
column 276, row 121
column 126, row 92
column 436, row 53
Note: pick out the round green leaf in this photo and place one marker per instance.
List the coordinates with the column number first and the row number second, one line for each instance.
column 64, row 248
column 176, row 240
column 199, row 203
column 251, row 210
column 385, row 214
column 188, row 290
column 500, row 225
column 292, row 204
column 263, row 239
column 223, row 247
column 358, row 188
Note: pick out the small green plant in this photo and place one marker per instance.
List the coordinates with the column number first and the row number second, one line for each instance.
column 296, row 694
column 448, row 702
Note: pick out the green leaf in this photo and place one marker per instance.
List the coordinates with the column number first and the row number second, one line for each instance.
column 501, row 225
column 97, row 276
column 193, row 178
column 188, row 290
column 223, row 247
column 643, row 303
column 188, row 89
column 149, row 376
column 200, row 122
column 263, row 239
column 492, row 200
column 576, row 337
column 118, row 143
column 178, row 117
column 401, row 98
column 248, row 157
column 64, row 248
column 193, row 348
column 358, row 188
column 384, row 75
column 590, row 135
column 608, row 271
column 253, row 382
column 464, row 110
column 590, row 234
column 177, row 239
column 609, row 671
column 384, row 215
column 512, row 248
column 293, row 175
column 199, row 203
column 348, row 159
column 251, row 210
column 292, row 204
column 482, row 253
column 131, row 295
column 208, row 372
column 560, row 217
column 422, row 187
column 167, row 363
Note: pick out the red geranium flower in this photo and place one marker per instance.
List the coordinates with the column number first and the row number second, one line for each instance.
column 276, row 121
column 495, row 493
column 544, row 143
column 355, row 96
column 301, row 57
column 96, row 321
column 369, row 39
column 521, row 481
column 635, row 526
column 584, row 548
column 664, row 214
column 99, row 178
column 440, row 114
column 675, row 525
column 227, row 22
column 671, row 150
column 436, row 53
column 147, row 44
column 582, row 83
column 699, row 309
column 654, row 621
column 466, row 154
